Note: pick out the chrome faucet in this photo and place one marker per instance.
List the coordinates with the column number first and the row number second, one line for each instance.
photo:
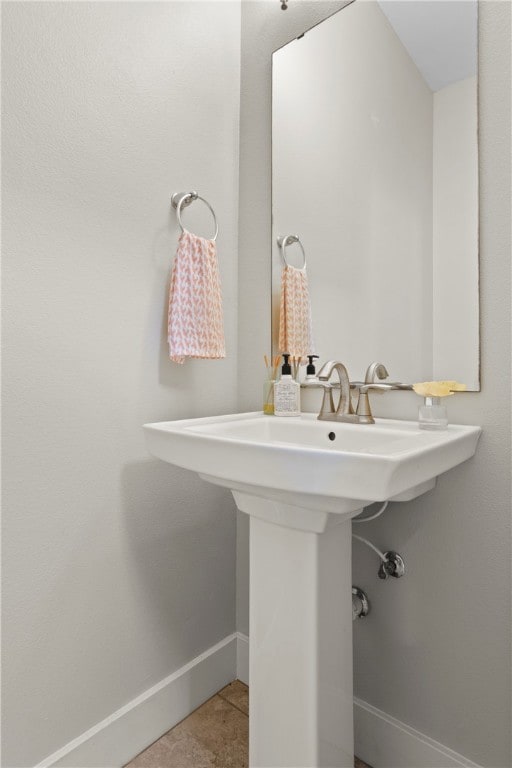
column 344, row 410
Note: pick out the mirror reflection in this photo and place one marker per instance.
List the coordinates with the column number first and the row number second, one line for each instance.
column 375, row 169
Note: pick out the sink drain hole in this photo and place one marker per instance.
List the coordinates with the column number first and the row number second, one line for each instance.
column 332, row 435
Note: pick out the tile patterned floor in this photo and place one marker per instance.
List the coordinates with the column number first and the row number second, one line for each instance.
column 214, row 736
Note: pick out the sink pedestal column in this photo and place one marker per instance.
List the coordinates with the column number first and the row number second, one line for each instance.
column 301, row 690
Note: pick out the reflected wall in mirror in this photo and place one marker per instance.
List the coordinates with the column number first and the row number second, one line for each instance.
column 375, row 167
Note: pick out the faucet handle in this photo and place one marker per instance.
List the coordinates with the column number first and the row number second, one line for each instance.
column 375, row 370
column 327, row 400
column 384, row 386
column 363, row 409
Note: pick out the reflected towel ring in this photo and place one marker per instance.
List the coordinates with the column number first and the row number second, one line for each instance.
column 288, row 240
column 182, row 199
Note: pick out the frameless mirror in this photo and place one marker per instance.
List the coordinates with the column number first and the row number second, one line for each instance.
column 375, row 168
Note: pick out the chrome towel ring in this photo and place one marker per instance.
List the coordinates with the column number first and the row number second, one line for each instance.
column 181, row 200
column 288, row 240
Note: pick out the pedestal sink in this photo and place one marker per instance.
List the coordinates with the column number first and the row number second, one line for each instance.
column 301, row 481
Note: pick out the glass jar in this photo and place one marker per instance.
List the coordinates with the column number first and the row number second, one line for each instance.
column 268, row 396
column 433, row 414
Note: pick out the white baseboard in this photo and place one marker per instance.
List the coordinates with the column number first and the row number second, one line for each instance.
column 384, row 742
column 117, row 739
column 242, row 657
column 380, row 740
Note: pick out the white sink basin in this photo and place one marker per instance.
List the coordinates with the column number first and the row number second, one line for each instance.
column 300, row 488
column 325, row 466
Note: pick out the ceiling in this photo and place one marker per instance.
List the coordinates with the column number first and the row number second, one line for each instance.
column 441, row 36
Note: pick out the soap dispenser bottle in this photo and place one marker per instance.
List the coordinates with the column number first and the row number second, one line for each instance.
column 286, row 392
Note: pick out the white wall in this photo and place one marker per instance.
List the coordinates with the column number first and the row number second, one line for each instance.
column 435, row 652
column 455, row 229
column 118, row 569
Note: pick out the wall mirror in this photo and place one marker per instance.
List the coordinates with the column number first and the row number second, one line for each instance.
column 375, row 168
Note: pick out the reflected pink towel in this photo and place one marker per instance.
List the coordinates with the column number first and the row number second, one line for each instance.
column 195, row 319
column 295, row 325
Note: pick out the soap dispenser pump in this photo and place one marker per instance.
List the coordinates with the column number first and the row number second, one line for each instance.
column 286, row 392
column 311, row 370
column 286, row 369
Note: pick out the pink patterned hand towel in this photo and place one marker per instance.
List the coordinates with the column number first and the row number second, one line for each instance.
column 195, row 319
column 295, row 324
